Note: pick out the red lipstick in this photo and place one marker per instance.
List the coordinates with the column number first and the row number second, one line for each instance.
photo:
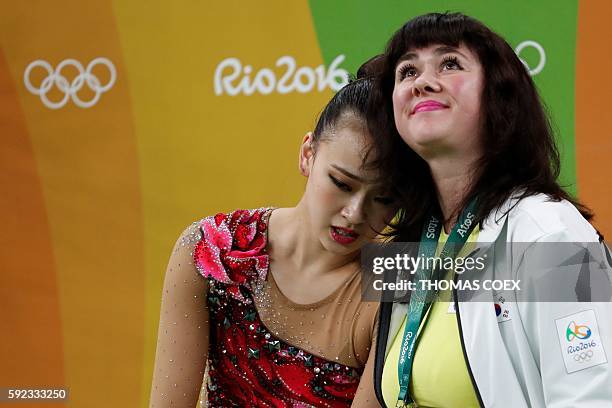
column 343, row 236
column 429, row 105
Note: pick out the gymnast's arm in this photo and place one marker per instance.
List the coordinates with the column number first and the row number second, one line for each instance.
column 182, row 339
column 365, row 397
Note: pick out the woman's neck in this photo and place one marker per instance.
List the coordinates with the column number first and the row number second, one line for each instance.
column 294, row 244
column 453, row 179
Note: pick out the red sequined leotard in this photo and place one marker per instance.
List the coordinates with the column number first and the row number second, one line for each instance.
column 252, row 359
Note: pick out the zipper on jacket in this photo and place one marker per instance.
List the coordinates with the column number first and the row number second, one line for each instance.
column 465, row 356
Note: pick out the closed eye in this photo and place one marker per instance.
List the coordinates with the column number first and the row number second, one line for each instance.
column 384, row 200
column 342, row 186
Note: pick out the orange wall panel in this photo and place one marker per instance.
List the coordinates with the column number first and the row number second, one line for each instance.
column 593, row 102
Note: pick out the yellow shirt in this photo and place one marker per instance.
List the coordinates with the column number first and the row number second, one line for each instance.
column 439, row 373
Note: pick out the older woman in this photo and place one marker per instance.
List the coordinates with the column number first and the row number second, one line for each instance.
column 462, row 132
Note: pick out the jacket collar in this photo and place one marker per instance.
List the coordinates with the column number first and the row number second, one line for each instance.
column 494, row 223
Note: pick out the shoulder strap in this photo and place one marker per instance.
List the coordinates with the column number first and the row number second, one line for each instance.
column 389, row 322
column 384, row 319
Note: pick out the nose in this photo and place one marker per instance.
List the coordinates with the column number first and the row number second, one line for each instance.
column 354, row 210
column 426, row 82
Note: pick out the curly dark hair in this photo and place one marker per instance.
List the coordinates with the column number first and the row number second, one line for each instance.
column 519, row 150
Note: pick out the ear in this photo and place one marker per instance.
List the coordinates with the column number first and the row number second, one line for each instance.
column 306, row 155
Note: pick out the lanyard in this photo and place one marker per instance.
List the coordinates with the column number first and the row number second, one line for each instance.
column 421, row 298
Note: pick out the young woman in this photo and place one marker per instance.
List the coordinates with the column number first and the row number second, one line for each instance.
column 269, row 299
column 461, row 131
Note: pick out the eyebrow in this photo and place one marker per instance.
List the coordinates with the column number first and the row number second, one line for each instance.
column 444, row 49
column 348, row 173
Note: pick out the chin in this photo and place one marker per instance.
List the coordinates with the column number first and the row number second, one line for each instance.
column 423, row 141
column 336, row 248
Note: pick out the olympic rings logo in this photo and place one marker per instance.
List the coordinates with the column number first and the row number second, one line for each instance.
column 584, row 356
column 538, row 68
column 70, row 89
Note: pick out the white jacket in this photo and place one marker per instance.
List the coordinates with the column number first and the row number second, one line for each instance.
column 526, row 357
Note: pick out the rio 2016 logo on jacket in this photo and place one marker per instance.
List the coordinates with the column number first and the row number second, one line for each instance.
column 580, row 341
column 575, row 331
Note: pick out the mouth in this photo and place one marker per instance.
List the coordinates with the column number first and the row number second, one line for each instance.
column 427, row 106
column 343, row 236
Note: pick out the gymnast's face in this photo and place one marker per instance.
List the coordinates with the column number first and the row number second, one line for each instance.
column 346, row 206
